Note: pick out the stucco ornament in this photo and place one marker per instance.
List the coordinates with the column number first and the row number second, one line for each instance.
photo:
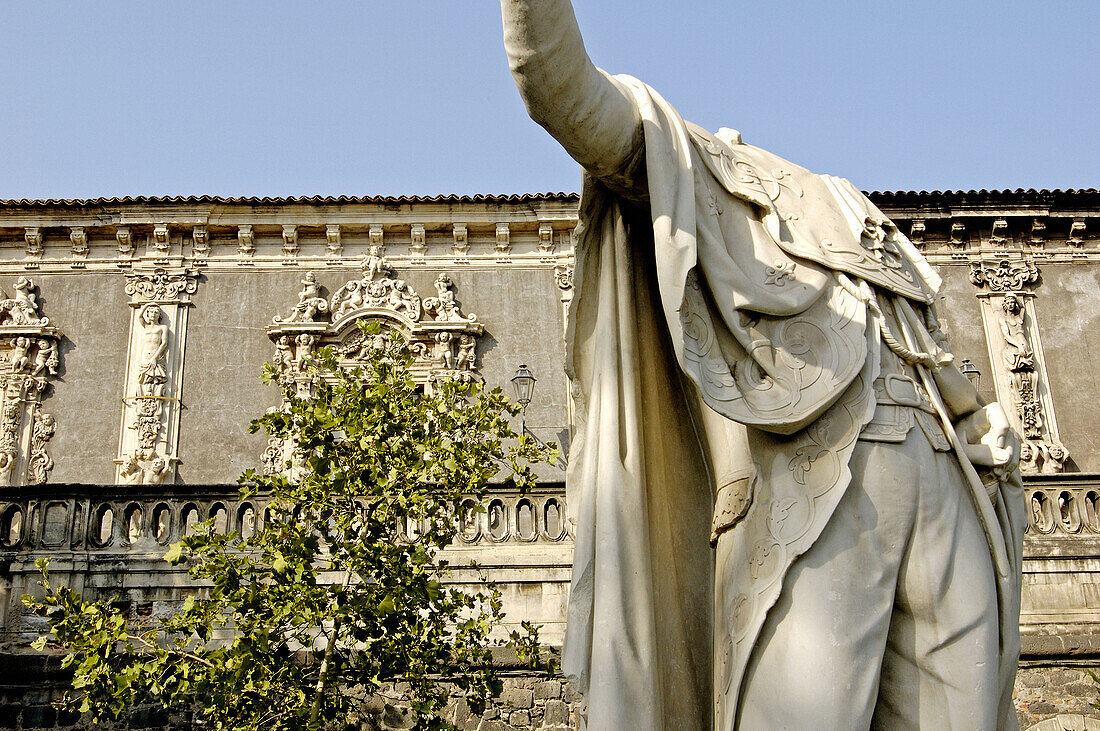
column 29, row 360
column 758, row 366
column 441, row 337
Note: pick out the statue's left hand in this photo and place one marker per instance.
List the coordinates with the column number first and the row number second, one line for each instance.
column 989, row 439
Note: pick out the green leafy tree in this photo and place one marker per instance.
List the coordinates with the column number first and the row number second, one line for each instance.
column 324, row 606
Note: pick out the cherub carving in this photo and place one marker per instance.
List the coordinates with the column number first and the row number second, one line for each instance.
column 153, row 359
column 20, row 361
column 374, row 263
column 45, row 360
column 283, row 360
column 464, row 361
column 445, row 352
column 130, row 472
column 156, row 472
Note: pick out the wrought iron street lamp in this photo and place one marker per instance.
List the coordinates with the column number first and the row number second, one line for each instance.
column 524, row 384
column 970, row 371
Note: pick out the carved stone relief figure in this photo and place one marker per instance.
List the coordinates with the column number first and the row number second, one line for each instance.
column 310, row 302
column 1019, row 372
column 28, row 359
column 153, row 366
column 150, row 421
column 40, row 462
column 443, row 346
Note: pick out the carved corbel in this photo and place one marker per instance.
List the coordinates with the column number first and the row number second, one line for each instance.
column 958, row 235
column 1076, row 233
column 290, row 244
column 504, row 243
column 33, row 238
column 418, row 243
column 149, row 431
column 1037, row 238
column 916, row 233
column 246, row 245
column 79, row 241
column 125, row 247
column 334, row 246
column 160, row 243
column 200, row 246
column 461, row 248
column 999, row 235
column 29, row 359
column 546, row 242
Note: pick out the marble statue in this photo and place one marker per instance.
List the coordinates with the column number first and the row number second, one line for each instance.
column 792, row 510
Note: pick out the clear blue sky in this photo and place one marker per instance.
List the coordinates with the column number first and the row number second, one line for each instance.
column 403, row 97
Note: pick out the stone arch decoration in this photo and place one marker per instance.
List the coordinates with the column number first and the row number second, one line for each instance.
column 1067, row 722
column 442, row 338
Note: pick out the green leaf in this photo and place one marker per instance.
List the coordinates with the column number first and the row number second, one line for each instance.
column 174, row 555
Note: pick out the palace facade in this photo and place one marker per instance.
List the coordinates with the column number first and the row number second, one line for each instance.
column 133, row 331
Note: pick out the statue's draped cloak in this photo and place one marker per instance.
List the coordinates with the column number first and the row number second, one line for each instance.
column 761, row 311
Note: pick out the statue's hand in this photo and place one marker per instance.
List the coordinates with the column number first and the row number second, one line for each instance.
column 989, row 439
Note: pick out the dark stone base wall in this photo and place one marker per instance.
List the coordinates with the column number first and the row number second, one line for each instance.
column 1047, row 690
column 29, row 686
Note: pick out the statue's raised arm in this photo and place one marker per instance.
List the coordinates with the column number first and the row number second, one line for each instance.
column 582, row 107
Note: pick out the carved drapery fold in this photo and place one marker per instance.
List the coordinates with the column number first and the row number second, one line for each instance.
column 1016, row 356
column 29, row 358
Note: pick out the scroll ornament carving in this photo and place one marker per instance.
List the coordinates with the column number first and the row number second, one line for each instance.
column 28, row 360
column 160, row 285
column 442, row 339
column 1005, row 275
column 563, row 277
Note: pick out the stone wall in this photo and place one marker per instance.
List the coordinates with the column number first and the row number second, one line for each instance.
column 509, row 260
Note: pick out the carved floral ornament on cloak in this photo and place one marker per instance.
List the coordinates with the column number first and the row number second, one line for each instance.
column 29, row 359
column 442, row 339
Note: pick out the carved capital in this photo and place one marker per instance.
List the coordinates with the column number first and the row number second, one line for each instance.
column 160, row 285
column 1004, row 275
column 563, row 277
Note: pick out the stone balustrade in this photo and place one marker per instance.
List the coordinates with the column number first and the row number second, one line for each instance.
column 1063, row 507
column 115, row 519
